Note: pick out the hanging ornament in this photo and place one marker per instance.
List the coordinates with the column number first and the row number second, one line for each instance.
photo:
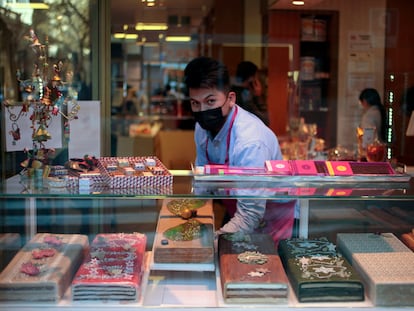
column 34, row 39
column 15, row 132
column 41, row 134
column 55, row 110
column 25, row 108
column 45, row 96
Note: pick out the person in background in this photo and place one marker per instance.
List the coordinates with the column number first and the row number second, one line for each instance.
column 129, row 110
column 130, row 103
column 374, row 114
column 249, row 90
column 143, row 100
column 225, row 133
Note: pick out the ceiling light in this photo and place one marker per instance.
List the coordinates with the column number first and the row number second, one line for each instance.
column 149, row 3
column 27, row 5
column 151, row 26
column 298, row 2
column 131, row 36
column 127, row 36
column 119, row 35
column 178, row 38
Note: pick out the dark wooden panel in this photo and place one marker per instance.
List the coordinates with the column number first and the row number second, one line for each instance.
column 399, row 61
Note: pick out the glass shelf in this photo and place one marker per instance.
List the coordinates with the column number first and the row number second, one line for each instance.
column 31, row 208
column 184, row 185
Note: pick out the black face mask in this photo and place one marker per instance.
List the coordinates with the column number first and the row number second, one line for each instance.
column 211, row 120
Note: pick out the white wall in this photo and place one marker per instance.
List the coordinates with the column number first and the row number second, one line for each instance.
column 253, row 32
column 359, row 65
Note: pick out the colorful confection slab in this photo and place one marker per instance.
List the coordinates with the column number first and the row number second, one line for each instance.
column 304, row 167
column 184, row 241
column 279, row 167
column 43, row 269
column 339, row 168
column 186, row 208
column 352, row 243
column 388, row 277
column 318, row 273
column 372, row 168
column 134, row 172
column 113, row 269
column 251, row 270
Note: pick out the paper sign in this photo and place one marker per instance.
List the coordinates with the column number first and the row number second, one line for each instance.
column 85, row 132
column 24, row 125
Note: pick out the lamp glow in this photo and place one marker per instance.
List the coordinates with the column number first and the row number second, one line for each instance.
column 178, row 38
column 127, row 36
column 26, row 6
column 151, row 26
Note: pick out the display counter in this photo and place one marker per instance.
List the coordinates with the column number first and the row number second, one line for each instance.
column 324, row 209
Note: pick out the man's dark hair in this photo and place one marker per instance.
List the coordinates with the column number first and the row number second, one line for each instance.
column 206, row 72
column 245, row 70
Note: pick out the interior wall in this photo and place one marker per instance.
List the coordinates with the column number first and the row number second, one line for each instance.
column 227, row 30
column 361, row 62
column 253, row 32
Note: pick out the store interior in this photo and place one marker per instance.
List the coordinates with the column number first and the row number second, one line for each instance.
column 352, row 45
column 352, row 49
column 311, row 84
column 119, row 67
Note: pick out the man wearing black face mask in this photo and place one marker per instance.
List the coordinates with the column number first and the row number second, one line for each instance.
column 227, row 134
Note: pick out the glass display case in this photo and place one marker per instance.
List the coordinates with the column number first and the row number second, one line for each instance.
column 324, row 210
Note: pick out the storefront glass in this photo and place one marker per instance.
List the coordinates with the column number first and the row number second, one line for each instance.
column 313, row 61
column 45, row 68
